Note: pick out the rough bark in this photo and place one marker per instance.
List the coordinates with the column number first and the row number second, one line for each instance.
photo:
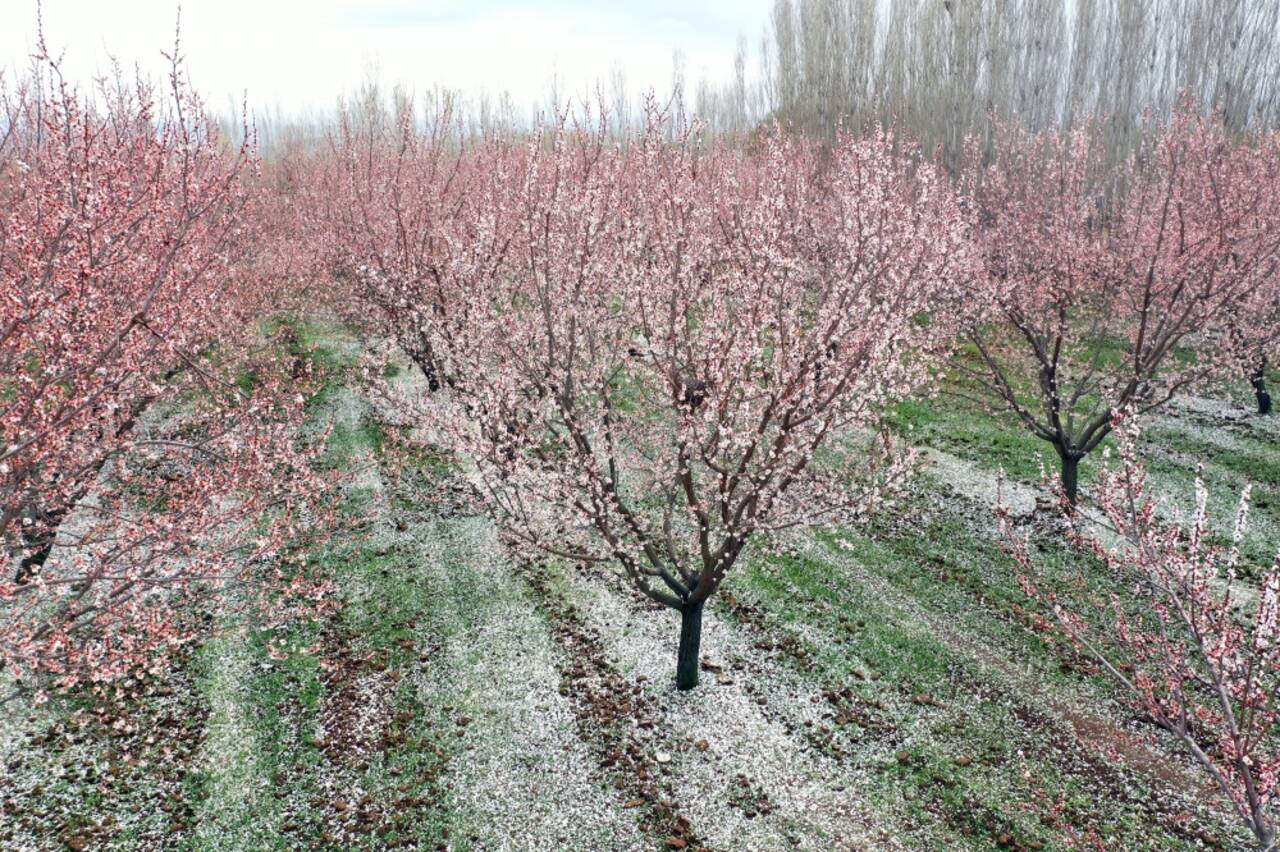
column 690, row 641
column 1070, row 476
column 1259, row 381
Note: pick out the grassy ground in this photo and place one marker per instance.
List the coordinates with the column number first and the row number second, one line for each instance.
column 972, row 728
column 878, row 687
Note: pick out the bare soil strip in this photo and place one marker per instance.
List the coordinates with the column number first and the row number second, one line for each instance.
column 739, row 767
column 115, row 773
column 617, row 717
column 526, row 780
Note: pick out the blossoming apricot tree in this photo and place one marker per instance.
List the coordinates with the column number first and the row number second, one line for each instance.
column 391, row 188
column 1118, row 286
column 135, row 474
column 657, row 352
column 1191, row 645
column 1257, row 340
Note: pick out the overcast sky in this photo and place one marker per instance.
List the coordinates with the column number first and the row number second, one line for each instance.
column 300, row 54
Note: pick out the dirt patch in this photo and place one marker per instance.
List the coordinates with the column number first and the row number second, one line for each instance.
column 118, row 767
column 850, row 720
column 750, row 717
column 616, row 718
column 1061, row 743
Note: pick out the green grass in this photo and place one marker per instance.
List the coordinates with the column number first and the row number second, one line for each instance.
column 957, row 426
column 271, row 708
column 917, row 613
column 346, row 443
column 284, row 702
column 1227, row 462
column 929, row 608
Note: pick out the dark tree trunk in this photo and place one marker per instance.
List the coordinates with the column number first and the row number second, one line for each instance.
column 1259, row 381
column 690, row 640
column 1070, row 476
column 424, row 356
column 1266, row 834
column 428, row 368
column 31, row 564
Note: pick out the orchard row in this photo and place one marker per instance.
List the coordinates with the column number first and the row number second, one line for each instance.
column 651, row 353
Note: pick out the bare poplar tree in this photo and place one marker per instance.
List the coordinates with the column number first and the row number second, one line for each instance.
column 946, row 70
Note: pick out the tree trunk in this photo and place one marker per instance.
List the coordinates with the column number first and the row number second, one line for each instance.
column 690, row 640
column 425, row 357
column 1070, row 476
column 1259, row 381
column 1266, row 834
